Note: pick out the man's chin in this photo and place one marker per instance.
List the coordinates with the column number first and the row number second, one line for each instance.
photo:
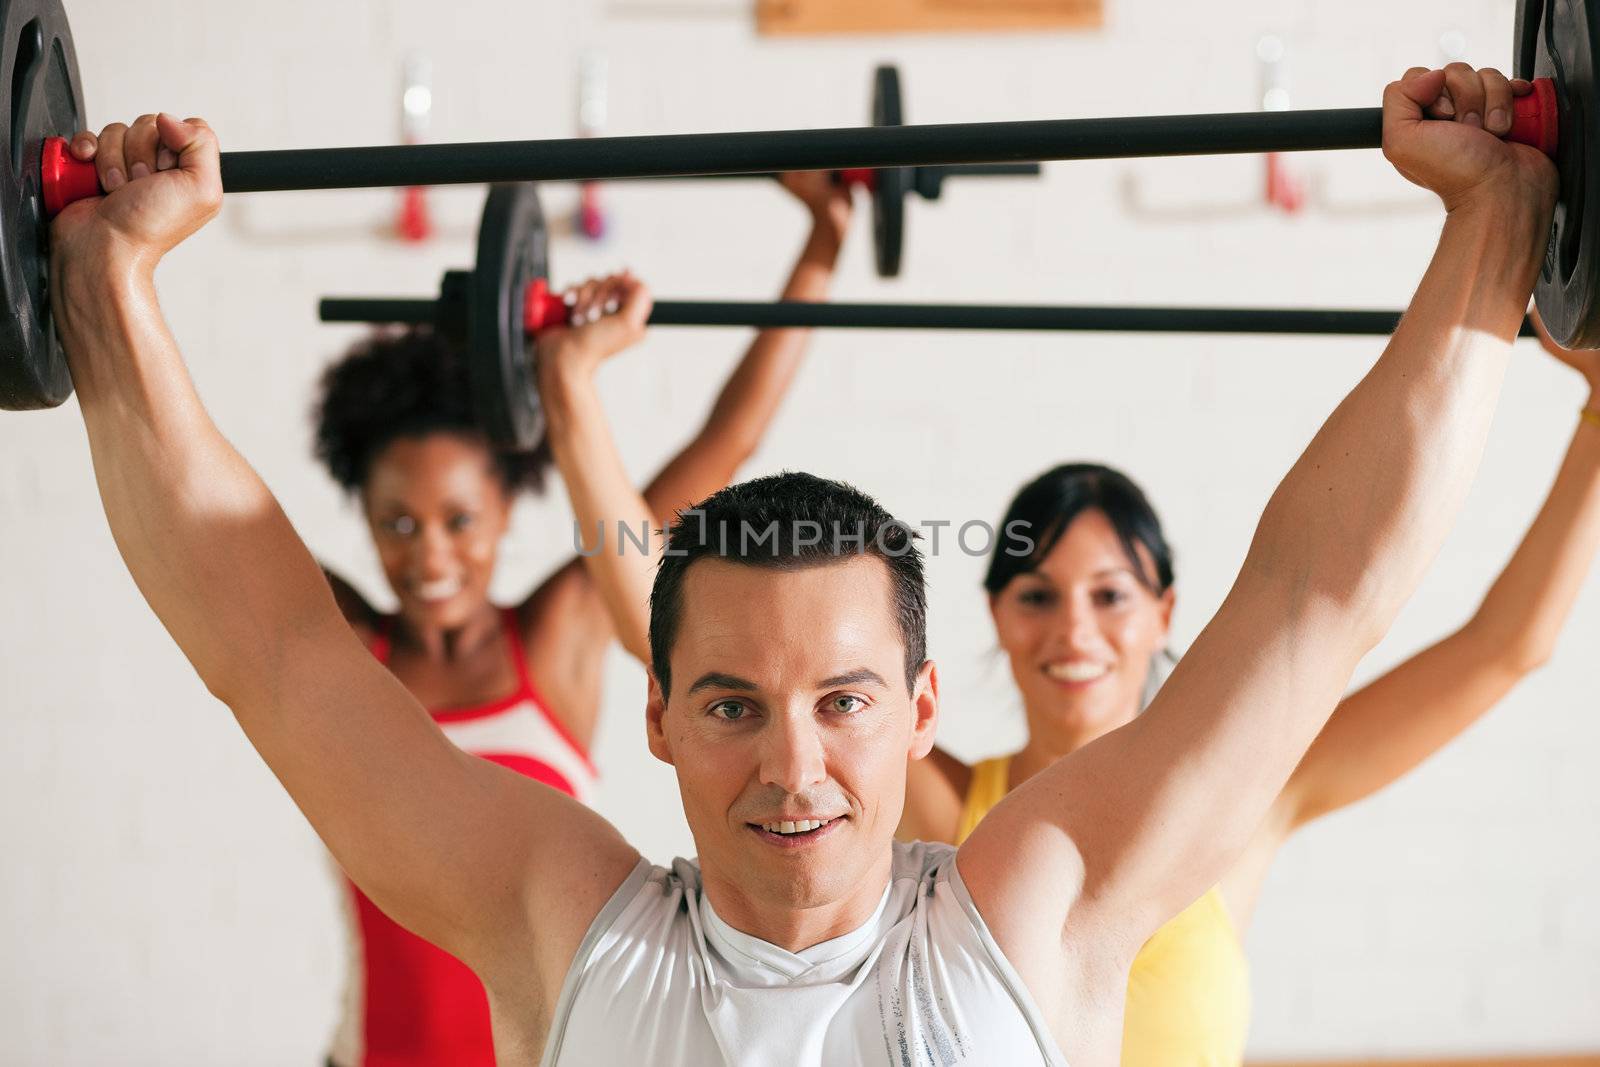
column 809, row 875
column 805, row 889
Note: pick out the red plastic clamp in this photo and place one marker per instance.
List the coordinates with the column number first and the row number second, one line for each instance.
column 858, row 177
column 1536, row 118
column 64, row 179
column 541, row 308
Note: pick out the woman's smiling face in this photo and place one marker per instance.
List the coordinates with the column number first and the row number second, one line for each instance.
column 1081, row 628
column 437, row 511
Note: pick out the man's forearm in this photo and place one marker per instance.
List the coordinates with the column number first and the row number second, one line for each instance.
column 1383, row 730
column 1158, row 809
column 192, row 520
column 1359, row 517
column 1347, row 536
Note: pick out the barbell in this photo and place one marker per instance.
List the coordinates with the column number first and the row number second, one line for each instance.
column 1554, row 42
column 497, row 309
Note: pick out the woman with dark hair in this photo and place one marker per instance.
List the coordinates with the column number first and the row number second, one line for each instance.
column 517, row 684
column 1083, row 620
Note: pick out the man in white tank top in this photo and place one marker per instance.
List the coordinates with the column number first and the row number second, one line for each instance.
column 790, row 686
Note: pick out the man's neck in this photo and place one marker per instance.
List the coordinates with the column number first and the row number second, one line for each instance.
column 795, row 928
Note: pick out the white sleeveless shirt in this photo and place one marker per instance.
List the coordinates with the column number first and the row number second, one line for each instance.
column 661, row 979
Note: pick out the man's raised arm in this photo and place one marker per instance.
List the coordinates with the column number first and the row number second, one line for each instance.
column 1115, row 839
column 446, row 843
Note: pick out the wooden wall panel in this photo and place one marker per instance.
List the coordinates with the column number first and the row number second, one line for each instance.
column 885, row 16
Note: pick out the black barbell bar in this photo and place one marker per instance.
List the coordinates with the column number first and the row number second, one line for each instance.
column 803, row 315
column 959, row 170
column 709, row 154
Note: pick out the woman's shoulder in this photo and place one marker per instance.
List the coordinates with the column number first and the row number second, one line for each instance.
column 936, row 790
column 375, row 631
column 947, row 770
column 565, row 600
column 363, row 618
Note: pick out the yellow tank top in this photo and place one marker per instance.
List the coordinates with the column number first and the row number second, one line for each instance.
column 1189, row 988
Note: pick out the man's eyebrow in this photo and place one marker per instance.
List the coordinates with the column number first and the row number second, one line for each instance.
column 718, row 680
column 855, row 677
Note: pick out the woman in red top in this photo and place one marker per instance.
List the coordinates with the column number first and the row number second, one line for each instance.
column 519, row 684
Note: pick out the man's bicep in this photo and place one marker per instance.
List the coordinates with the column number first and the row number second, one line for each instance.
column 1073, row 869
column 1025, row 877
column 1025, row 867
column 444, row 842
column 1159, row 808
column 1150, row 815
column 352, row 605
column 533, row 868
column 580, row 862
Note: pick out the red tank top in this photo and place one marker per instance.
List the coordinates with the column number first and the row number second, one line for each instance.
column 407, row 1003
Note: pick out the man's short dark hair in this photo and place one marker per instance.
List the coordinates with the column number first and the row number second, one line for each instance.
column 789, row 521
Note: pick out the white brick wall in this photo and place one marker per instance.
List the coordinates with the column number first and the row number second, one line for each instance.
column 163, row 902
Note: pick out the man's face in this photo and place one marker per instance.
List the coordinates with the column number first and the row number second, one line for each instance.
column 791, row 728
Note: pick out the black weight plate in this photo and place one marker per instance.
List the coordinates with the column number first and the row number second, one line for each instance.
column 892, row 184
column 1526, row 37
column 455, row 298
column 39, row 82
column 1569, row 284
column 513, row 250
